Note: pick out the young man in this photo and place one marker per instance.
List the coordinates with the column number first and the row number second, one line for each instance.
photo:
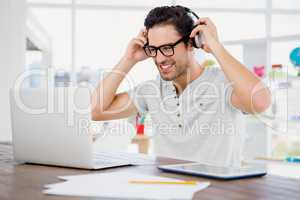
column 193, row 109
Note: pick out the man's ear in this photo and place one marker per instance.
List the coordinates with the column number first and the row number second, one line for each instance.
column 145, row 33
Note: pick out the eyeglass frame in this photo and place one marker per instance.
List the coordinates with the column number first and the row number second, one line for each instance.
column 172, row 45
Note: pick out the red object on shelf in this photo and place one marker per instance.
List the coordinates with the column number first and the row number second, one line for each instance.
column 140, row 129
column 276, row 66
column 259, row 70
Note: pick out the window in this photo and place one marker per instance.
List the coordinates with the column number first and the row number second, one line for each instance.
column 283, row 25
column 125, row 2
column 280, row 51
column 286, row 4
column 57, row 23
column 102, row 35
column 50, row 1
column 237, row 26
column 223, row 4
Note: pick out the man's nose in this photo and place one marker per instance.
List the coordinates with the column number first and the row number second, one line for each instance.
column 160, row 57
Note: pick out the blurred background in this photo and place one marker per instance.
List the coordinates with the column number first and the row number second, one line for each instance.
column 76, row 40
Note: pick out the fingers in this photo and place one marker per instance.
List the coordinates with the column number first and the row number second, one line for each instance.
column 140, row 39
column 198, row 29
column 142, row 35
column 139, row 42
column 206, row 31
column 204, row 22
column 143, row 39
column 207, row 21
column 142, row 32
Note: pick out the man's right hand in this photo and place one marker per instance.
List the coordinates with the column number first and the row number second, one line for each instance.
column 135, row 52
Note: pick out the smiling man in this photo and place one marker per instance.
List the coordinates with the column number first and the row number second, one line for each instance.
column 194, row 110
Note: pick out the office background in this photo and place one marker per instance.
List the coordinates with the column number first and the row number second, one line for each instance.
column 78, row 39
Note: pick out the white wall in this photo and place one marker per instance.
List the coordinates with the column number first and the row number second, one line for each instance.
column 12, row 55
column 255, row 54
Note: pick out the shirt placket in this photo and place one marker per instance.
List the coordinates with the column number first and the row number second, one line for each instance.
column 179, row 109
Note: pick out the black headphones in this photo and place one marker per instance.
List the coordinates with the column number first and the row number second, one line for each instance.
column 197, row 40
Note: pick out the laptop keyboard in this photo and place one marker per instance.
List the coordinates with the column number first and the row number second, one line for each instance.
column 123, row 157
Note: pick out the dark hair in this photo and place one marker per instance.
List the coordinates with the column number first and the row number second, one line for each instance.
column 174, row 15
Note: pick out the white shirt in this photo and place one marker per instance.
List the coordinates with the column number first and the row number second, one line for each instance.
column 199, row 125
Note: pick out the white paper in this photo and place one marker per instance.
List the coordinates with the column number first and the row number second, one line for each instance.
column 115, row 185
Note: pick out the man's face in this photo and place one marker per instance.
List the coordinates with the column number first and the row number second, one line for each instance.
column 169, row 67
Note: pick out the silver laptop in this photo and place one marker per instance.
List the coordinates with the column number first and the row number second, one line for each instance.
column 46, row 129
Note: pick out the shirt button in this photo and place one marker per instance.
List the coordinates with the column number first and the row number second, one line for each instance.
column 177, row 104
column 178, row 115
column 179, row 125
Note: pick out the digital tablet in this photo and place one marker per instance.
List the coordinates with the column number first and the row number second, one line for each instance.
column 217, row 172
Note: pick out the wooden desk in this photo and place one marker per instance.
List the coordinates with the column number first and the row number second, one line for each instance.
column 25, row 182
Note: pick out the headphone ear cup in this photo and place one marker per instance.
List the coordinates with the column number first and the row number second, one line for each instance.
column 196, row 41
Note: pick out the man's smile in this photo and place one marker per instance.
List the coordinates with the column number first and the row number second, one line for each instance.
column 165, row 68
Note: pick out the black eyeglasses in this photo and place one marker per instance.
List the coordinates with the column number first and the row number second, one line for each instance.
column 166, row 49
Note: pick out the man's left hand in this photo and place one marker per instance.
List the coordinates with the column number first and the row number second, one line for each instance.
column 209, row 33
